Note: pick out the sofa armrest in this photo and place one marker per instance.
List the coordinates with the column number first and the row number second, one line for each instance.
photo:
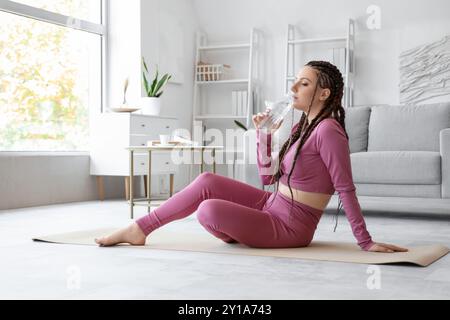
column 445, row 158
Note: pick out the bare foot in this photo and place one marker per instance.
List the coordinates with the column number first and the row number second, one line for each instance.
column 131, row 234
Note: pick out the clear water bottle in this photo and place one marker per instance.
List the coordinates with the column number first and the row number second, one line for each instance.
column 278, row 111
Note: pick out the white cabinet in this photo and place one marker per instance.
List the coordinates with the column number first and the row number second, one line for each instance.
column 112, row 133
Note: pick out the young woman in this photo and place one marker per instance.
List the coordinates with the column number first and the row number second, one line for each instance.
column 312, row 164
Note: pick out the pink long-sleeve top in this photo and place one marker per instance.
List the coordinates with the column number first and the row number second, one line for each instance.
column 323, row 166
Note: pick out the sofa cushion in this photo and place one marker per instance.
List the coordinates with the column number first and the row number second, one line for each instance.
column 407, row 128
column 399, row 190
column 396, row 167
column 357, row 127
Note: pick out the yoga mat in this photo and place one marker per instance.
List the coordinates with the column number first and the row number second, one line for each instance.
column 165, row 239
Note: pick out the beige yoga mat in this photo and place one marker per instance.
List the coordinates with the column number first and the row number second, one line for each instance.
column 165, row 239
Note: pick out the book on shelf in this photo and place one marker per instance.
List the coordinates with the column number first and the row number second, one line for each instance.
column 240, row 106
column 234, row 103
column 244, row 103
column 239, row 103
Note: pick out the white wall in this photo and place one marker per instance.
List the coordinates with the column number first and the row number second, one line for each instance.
column 404, row 24
column 123, row 52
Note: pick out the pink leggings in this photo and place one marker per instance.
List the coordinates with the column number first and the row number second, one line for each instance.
column 237, row 212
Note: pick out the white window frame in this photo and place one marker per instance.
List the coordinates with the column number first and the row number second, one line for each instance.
column 69, row 22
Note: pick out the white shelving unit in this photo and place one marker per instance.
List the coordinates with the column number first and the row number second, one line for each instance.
column 293, row 43
column 244, row 80
column 202, row 49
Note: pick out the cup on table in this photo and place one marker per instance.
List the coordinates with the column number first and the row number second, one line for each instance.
column 164, row 139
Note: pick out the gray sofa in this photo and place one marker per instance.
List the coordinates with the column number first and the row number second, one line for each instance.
column 400, row 157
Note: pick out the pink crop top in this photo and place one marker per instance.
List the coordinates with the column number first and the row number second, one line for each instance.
column 323, row 166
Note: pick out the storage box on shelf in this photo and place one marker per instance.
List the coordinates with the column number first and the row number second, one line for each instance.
column 212, row 72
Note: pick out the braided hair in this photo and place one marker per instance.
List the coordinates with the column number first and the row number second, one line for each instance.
column 329, row 77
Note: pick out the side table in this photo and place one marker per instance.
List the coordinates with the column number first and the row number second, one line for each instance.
column 149, row 149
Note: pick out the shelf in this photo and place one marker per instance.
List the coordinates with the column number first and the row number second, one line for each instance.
column 229, row 151
column 225, row 47
column 219, row 116
column 219, row 151
column 223, row 81
column 223, row 113
column 331, row 39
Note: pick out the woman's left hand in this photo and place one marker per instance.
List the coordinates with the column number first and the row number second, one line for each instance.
column 383, row 247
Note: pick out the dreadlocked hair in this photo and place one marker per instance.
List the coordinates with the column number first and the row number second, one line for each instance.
column 329, row 77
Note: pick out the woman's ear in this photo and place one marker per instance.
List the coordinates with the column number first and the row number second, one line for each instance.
column 324, row 94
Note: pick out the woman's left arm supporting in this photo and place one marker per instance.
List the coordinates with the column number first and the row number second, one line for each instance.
column 334, row 150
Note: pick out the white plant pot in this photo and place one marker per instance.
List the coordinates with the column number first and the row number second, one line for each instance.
column 151, row 106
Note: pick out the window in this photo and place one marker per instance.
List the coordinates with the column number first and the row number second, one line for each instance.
column 50, row 73
column 89, row 10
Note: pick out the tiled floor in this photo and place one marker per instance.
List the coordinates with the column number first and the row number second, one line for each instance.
column 31, row 270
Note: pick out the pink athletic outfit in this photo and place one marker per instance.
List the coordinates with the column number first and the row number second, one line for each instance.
column 237, row 212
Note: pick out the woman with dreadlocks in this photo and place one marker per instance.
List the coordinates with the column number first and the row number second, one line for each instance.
column 312, row 164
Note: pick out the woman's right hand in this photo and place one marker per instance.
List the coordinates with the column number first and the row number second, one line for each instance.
column 259, row 118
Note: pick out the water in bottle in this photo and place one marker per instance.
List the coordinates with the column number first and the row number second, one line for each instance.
column 278, row 111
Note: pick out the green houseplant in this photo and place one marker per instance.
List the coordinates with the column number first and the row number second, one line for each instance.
column 151, row 104
column 240, row 125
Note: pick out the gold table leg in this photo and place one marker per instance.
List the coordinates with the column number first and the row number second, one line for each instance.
column 171, row 184
column 202, row 165
column 149, row 179
column 131, row 183
column 214, row 160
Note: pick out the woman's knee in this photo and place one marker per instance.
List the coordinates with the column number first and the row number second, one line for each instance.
column 206, row 178
column 206, row 181
column 208, row 211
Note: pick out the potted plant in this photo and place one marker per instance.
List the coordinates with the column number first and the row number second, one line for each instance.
column 151, row 104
